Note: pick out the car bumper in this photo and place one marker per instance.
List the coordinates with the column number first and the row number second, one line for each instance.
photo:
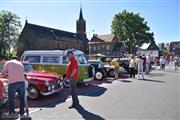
column 52, row 91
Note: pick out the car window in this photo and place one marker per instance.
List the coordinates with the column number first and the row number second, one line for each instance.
column 82, row 59
column 28, row 67
column 33, row 59
column 65, row 60
column 50, row 59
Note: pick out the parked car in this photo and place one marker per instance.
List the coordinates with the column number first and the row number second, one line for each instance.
column 102, row 70
column 41, row 83
column 55, row 61
column 3, row 87
column 123, row 62
column 3, row 91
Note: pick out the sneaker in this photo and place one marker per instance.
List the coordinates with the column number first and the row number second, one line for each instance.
column 73, row 106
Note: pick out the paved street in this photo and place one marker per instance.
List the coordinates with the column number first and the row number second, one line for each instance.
column 156, row 98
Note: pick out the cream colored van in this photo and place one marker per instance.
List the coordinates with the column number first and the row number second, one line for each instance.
column 55, row 61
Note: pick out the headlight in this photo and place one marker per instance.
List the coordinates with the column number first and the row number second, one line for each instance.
column 6, row 89
column 49, row 88
column 61, row 77
column 46, row 83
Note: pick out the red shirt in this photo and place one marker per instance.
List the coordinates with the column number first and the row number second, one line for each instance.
column 72, row 65
column 1, row 90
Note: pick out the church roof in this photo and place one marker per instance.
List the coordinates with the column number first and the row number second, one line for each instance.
column 42, row 32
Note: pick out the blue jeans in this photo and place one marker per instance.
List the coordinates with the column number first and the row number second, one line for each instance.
column 73, row 92
column 12, row 89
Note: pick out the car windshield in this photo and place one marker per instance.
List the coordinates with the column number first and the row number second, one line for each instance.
column 82, row 59
column 97, row 63
column 28, row 67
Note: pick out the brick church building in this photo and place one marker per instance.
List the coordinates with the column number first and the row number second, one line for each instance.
column 36, row 37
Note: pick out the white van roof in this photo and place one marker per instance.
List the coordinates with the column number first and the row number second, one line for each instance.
column 41, row 52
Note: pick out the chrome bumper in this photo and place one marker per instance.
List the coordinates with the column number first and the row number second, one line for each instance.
column 52, row 91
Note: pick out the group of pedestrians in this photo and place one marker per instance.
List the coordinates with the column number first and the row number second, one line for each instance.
column 140, row 64
column 14, row 71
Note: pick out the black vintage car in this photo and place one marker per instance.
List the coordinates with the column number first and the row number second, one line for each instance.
column 123, row 62
column 102, row 70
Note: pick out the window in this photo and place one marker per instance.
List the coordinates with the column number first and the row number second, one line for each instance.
column 98, row 47
column 28, row 67
column 33, row 59
column 82, row 59
column 107, row 47
column 50, row 59
column 94, row 47
column 65, row 60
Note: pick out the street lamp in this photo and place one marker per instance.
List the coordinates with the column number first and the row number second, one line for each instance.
column 89, row 40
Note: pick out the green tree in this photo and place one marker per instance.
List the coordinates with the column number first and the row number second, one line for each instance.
column 132, row 30
column 9, row 32
column 165, row 52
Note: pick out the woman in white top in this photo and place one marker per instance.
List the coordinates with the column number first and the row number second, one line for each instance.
column 132, row 65
column 140, row 67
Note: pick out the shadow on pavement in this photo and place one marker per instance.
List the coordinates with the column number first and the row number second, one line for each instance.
column 156, row 74
column 152, row 80
column 55, row 99
column 126, row 81
column 95, row 92
column 88, row 115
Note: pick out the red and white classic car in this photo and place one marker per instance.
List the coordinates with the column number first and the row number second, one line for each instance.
column 40, row 83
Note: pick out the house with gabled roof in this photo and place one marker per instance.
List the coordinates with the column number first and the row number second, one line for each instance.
column 107, row 44
column 37, row 37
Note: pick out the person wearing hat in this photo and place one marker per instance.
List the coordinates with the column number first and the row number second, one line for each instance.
column 72, row 74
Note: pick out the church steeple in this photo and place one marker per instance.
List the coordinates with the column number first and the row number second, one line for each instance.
column 81, row 24
column 81, row 15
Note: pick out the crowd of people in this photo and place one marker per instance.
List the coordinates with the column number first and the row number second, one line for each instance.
column 142, row 64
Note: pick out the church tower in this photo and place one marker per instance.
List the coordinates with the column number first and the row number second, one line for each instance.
column 81, row 24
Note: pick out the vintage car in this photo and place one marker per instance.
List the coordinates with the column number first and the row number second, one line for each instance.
column 102, row 70
column 3, row 87
column 3, row 91
column 55, row 61
column 123, row 62
column 41, row 83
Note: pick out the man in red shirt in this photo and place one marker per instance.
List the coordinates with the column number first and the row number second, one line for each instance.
column 72, row 74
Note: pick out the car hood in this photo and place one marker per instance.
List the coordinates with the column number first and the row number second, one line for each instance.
column 42, row 75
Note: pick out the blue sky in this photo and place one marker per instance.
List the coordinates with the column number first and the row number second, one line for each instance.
column 162, row 15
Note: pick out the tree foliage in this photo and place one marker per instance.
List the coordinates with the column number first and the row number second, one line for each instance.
column 9, row 32
column 132, row 30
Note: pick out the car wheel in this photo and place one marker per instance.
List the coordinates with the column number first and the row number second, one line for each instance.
column 33, row 93
column 111, row 73
column 99, row 75
column 66, row 82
